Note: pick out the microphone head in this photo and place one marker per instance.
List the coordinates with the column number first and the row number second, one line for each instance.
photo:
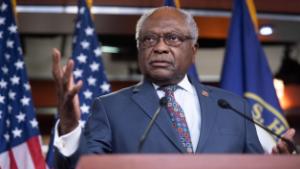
column 163, row 101
column 223, row 103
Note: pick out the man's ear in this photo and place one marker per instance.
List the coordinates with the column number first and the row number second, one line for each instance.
column 195, row 48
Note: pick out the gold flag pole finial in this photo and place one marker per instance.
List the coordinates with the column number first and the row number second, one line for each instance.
column 89, row 5
column 252, row 11
column 14, row 6
column 177, row 3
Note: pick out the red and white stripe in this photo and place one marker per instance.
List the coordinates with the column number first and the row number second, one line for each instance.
column 27, row 155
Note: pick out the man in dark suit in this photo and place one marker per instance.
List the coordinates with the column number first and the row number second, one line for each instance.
column 191, row 122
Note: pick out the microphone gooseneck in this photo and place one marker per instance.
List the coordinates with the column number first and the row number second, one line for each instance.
column 162, row 102
column 291, row 145
column 223, row 103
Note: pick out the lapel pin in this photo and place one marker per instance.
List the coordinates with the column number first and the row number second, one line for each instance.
column 204, row 93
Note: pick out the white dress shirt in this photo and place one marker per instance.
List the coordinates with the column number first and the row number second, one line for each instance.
column 186, row 97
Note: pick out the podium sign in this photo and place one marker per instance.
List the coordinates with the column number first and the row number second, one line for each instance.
column 205, row 161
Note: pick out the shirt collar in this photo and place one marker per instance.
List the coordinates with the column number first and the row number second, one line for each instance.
column 184, row 84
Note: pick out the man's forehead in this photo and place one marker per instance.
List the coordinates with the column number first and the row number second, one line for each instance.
column 167, row 14
column 167, row 19
column 164, row 27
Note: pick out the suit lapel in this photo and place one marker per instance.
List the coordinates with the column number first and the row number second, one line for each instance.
column 145, row 96
column 208, row 113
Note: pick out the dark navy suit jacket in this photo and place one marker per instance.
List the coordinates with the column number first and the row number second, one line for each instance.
column 118, row 120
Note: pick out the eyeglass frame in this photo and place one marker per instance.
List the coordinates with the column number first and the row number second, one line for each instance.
column 157, row 37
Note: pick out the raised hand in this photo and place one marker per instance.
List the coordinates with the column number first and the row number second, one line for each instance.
column 67, row 93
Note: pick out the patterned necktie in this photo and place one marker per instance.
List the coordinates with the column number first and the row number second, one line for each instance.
column 177, row 117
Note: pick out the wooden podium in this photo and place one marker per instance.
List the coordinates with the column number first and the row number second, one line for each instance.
column 189, row 162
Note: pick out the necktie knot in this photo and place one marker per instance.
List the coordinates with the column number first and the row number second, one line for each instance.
column 169, row 90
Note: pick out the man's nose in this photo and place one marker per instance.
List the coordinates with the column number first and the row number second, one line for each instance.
column 161, row 46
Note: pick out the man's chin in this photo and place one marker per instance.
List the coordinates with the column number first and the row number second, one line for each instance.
column 161, row 74
column 163, row 78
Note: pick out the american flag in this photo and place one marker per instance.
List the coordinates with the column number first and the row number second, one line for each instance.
column 88, row 65
column 19, row 133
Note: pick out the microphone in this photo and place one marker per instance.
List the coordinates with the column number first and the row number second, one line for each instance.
column 162, row 102
column 225, row 105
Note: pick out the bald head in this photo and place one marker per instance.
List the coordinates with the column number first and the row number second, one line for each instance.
column 168, row 13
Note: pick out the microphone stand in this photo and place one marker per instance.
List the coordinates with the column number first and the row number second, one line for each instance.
column 162, row 102
column 291, row 146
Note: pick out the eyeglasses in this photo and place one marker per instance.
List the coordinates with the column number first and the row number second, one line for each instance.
column 170, row 39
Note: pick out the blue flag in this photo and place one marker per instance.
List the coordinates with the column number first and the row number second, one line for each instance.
column 169, row 3
column 246, row 71
column 192, row 72
column 88, row 63
column 19, row 131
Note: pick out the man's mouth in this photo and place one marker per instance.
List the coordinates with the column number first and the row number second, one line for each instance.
column 160, row 63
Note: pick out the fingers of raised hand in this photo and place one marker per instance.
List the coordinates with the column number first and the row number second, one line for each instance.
column 67, row 75
column 75, row 88
column 56, row 68
column 63, row 76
